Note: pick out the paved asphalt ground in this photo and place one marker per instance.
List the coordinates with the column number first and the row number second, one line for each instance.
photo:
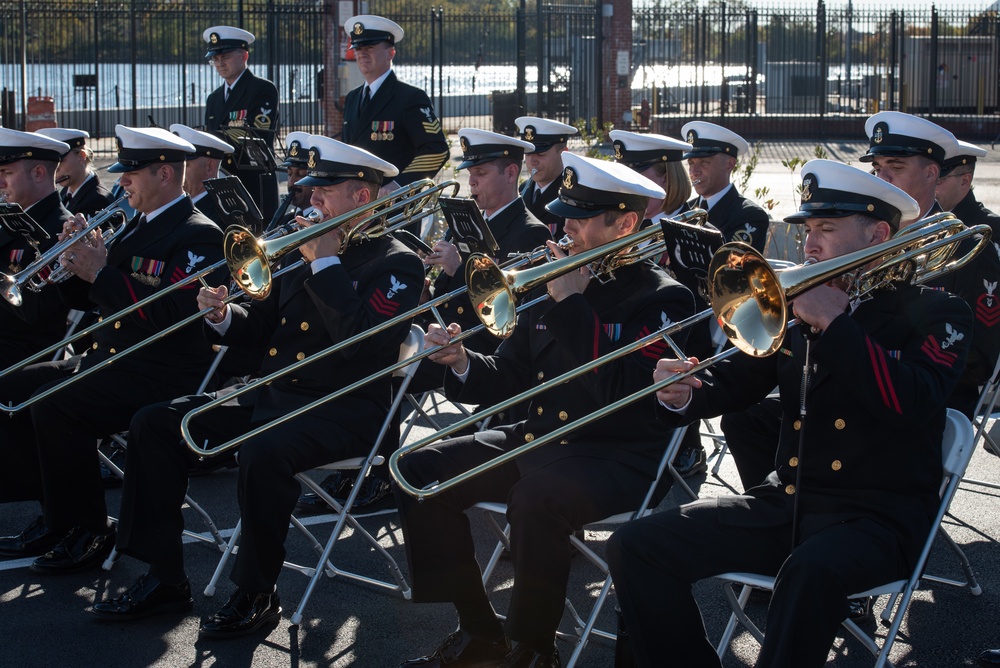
column 43, row 621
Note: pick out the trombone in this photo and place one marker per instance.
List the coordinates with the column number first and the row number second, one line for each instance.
column 34, row 276
column 376, row 223
column 750, row 301
column 603, row 261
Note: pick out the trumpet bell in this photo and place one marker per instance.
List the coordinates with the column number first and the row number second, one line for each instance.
column 11, row 290
column 248, row 261
column 748, row 299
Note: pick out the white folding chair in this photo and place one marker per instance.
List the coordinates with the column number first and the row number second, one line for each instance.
column 413, row 345
column 583, row 628
column 986, row 416
column 957, row 448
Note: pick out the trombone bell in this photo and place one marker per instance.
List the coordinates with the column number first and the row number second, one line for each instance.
column 491, row 295
column 248, row 261
column 748, row 299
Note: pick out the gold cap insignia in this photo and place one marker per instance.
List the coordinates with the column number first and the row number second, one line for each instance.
column 529, row 133
column 619, row 153
column 692, row 135
column 312, row 158
column 877, row 137
column 293, row 150
column 118, row 143
column 807, row 186
column 214, row 38
column 569, row 178
column 465, row 144
column 359, row 28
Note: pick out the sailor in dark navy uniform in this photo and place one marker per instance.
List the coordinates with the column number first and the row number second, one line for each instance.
column 544, row 165
column 393, row 120
column 28, row 163
column 80, row 189
column 869, row 467
column 52, row 442
column 210, row 152
column 243, row 105
column 912, row 153
column 711, row 163
column 339, row 292
column 550, row 492
column 954, row 190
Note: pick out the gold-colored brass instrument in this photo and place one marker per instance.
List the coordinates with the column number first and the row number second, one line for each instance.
column 541, row 253
column 494, row 292
column 35, row 277
column 750, row 300
column 250, row 259
column 385, row 220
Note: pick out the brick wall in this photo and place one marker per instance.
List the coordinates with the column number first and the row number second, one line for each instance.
column 617, row 58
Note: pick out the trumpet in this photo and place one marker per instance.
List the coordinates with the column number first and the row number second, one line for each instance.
column 407, row 206
column 46, row 270
column 750, row 300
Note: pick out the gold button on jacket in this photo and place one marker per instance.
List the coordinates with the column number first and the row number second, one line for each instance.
column 790, row 489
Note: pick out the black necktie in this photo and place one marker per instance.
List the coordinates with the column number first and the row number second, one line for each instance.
column 702, row 203
column 66, row 197
column 534, row 198
column 228, row 90
column 367, row 97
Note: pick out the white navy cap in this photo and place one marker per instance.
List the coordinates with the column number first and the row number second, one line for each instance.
column 708, row 139
column 543, row 133
column 899, row 135
column 640, row 151
column 480, row 146
column 74, row 138
column 221, row 39
column 205, row 145
column 590, row 187
column 964, row 154
column 332, row 162
column 16, row 145
column 366, row 29
column 297, row 149
column 831, row 189
column 141, row 147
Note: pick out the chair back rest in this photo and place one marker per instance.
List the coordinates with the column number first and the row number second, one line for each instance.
column 988, row 396
column 413, row 345
column 957, row 444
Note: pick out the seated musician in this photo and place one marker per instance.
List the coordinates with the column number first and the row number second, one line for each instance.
column 296, row 165
column 28, row 163
column 602, row 469
column 338, row 292
column 661, row 160
column 494, row 163
column 50, row 445
column 203, row 165
column 865, row 478
column 544, row 166
column 79, row 188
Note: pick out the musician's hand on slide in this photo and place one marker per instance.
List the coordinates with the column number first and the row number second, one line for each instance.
column 676, row 394
column 213, row 298
column 451, row 355
column 444, row 254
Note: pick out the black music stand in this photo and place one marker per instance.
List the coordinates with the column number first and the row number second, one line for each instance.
column 17, row 222
column 690, row 249
column 251, row 152
column 235, row 203
column 469, row 230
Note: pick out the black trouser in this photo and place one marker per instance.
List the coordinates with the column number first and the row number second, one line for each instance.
column 156, row 471
column 544, row 507
column 752, row 437
column 52, row 445
column 655, row 560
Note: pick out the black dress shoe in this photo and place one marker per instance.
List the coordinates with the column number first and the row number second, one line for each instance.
column 375, row 494
column 145, row 598
column 861, row 608
column 525, row 657
column 337, row 484
column 990, row 657
column 81, row 550
column 463, row 650
column 36, row 539
column 690, row 461
column 243, row 614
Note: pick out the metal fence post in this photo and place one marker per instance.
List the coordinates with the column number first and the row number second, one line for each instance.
column 723, row 53
column 821, row 48
column 932, row 71
column 539, row 59
column 522, row 58
column 24, row 65
column 134, row 57
column 599, row 64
